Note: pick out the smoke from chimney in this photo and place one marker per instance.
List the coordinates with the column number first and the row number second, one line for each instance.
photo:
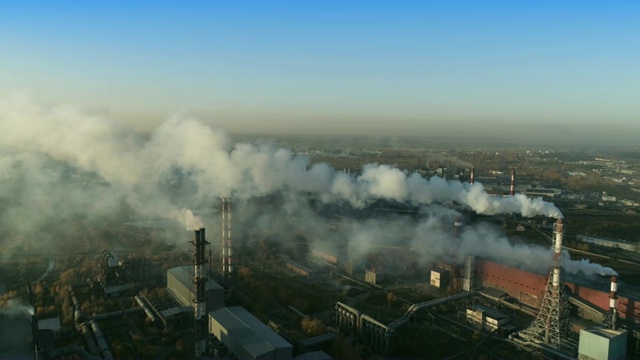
column 186, row 162
column 188, row 219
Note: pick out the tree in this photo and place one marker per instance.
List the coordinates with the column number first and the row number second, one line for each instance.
column 313, row 327
column 391, row 297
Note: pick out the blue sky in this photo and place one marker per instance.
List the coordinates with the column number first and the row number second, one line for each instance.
column 320, row 66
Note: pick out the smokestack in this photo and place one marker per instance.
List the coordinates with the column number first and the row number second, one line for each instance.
column 199, row 282
column 457, row 228
column 613, row 301
column 357, row 166
column 558, row 229
column 512, row 190
column 227, row 248
column 472, row 175
column 556, row 277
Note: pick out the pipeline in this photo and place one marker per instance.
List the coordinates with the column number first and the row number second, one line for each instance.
column 102, row 343
column 144, row 305
column 71, row 350
column 81, row 325
column 427, row 304
column 115, row 314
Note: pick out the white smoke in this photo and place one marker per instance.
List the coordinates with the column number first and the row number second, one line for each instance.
column 14, row 307
column 215, row 166
column 585, row 266
column 188, row 219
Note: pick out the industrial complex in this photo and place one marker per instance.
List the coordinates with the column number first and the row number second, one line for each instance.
column 478, row 304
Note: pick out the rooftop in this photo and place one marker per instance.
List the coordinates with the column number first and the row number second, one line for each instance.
column 254, row 336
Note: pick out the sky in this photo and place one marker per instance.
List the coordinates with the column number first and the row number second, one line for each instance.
column 512, row 68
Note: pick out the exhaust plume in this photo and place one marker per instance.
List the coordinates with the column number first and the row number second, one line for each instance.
column 585, row 266
column 186, row 218
column 14, row 307
column 185, row 151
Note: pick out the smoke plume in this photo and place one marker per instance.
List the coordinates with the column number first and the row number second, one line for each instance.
column 203, row 161
column 188, row 219
column 585, row 266
column 14, row 307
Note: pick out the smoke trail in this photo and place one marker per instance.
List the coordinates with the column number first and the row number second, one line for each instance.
column 14, row 307
column 585, row 266
column 186, row 217
column 185, row 151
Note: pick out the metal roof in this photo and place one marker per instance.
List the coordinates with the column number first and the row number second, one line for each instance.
column 249, row 332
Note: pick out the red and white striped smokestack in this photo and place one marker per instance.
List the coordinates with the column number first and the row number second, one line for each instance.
column 512, row 190
column 558, row 229
column 472, row 175
column 556, row 277
column 613, row 300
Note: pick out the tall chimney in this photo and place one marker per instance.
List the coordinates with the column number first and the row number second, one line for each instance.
column 200, row 300
column 457, row 227
column 613, row 301
column 227, row 248
column 558, row 230
column 472, row 175
column 512, row 190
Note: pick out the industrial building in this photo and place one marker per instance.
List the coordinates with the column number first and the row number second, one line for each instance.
column 609, row 242
column 246, row 336
column 602, row 344
column 181, row 287
column 488, row 319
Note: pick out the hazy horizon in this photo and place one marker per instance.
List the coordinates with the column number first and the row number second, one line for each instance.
column 496, row 70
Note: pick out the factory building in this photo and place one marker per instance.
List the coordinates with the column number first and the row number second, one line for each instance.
column 528, row 288
column 488, row 319
column 181, row 287
column 602, row 344
column 608, row 242
column 300, row 269
column 440, row 278
column 525, row 286
column 246, row 336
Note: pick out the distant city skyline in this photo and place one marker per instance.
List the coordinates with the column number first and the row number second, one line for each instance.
column 494, row 68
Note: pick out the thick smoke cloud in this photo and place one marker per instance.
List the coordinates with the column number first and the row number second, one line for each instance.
column 58, row 163
column 183, row 149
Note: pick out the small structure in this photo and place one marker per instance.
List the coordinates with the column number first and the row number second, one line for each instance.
column 52, row 324
column 485, row 318
column 440, row 278
column 602, row 344
column 370, row 276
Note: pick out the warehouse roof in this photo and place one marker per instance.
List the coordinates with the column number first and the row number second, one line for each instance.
column 254, row 336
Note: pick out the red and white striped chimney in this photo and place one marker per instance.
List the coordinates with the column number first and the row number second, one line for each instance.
column 613, row 301
column 512, row 190
column 558, row 230
column 471, row 176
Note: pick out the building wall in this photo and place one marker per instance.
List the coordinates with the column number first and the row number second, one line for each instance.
column 183, row 290
column 525, row 286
